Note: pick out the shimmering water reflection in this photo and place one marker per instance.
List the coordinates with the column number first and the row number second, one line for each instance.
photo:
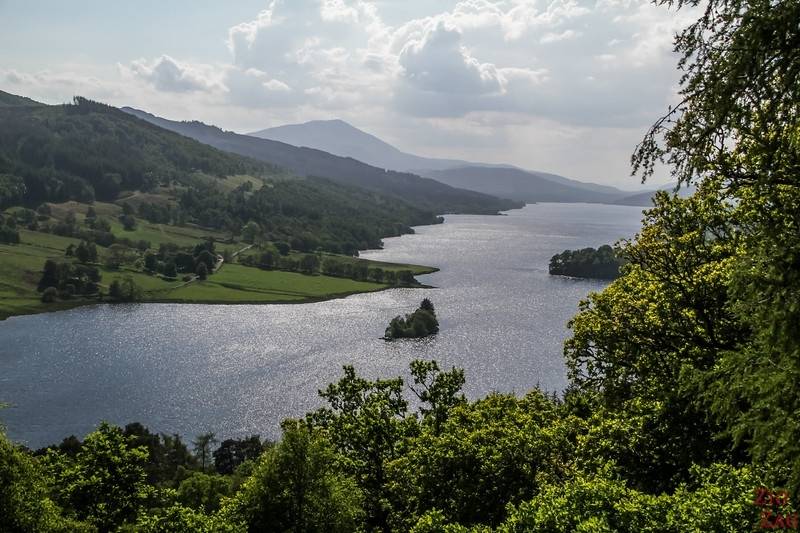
column 238, row 370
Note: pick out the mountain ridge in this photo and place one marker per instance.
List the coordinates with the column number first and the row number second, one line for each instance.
column 422, row 192
column 341, row 138
column 519, row 185
column 508, row 181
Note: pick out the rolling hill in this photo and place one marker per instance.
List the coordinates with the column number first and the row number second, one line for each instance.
column 423, row 193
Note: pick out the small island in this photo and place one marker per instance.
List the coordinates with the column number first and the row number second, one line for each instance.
column 602, row 263
column 421, row 323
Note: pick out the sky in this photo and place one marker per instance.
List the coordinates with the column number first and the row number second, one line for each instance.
column 564, row 86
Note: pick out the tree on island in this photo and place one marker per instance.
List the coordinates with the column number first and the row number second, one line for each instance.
column 602, row 263
column 421, row 323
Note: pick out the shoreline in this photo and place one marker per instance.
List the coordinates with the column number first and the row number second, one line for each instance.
column 60, row 306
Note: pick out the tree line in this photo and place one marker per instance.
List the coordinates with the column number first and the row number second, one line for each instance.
column 276, row 256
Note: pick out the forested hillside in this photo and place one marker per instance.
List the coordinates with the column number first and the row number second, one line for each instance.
column 310, row 213
column 88, row 151
column 96, row 197
column 422, row 193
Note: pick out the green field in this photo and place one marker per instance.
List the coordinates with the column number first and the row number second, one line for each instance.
column 238, row 284
column 156, row 234
column 21, row 267
column 20, row 270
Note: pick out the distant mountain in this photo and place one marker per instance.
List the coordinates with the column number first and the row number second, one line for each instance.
column 340, row 138
column 572, row 183
column 646, row 198
column 8, row 99
column 506, row 181
column 525, row 186
column 642, row 198
column 423, row 193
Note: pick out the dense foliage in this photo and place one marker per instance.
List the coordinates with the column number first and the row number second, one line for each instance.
column 602, row 263
column 737, row 132
column 369, row 462
column 69, row 279
column 421, row 323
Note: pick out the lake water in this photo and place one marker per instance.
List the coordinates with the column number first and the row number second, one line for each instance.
column 239, row 370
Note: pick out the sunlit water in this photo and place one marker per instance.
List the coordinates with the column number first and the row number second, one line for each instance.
column 238, row 370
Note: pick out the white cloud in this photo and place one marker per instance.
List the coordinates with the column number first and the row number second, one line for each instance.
column 322, row 49
column 59, row 87
column 578, row 62
column 253, row 88
column 551, row 37
column 167, row 74
column 438, row 62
